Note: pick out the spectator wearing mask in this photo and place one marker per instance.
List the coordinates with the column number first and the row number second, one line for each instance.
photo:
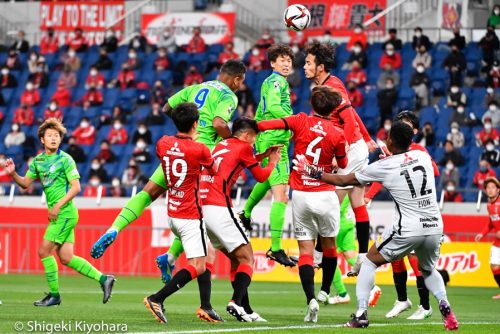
column 357, row 74
column 449, row 173
column 388, row 74
column 358, row 36
column 491, row 95
column 24, row 115
column 357, row 54
column 94, row 187
column 67, row 78
column 488, row 133
column 141, row 152
column 85, row 133
column 451, row 194
column 493, row 114
column 110, row 42
column 96, row 169
column 420, row 39
column 132, row 176
column 493, row 79
column 491, row 154
column 72, row 60
column 227, row 54
column 12, row 62
column 494, row 18
column 76, row 41
column 15, row 137
column 62, row 95
column 31, row 96
column 456, row 96
column 103, row 62
column 49, row 43
column 457, row 39
column 161, row 62
column 266, row 40
column 156, row 117
column 298, row 39
column 256, row 59
column 197, row 43
column 489, row 44
column 167, row 40
column 7, row 80
column 426, row 136
column 482, row 174
column 75, row 151
column 143, row 133
column 106, row 154
column 246, row 102
column 132, row 60
column 92, row 98
column 4, row 176
column 41, row 77
column 21, row 45
column 116, row 189
column 460, row 116
column 391, row 57
column 159, row 93
column 422, row 58
column 193, row 77
column 33, row 62
column 138, row 42
column 451, row 153
column 355, row 96
column 118, row 134
column 383, row 132
column 53, row 111
column 393, row 40
column 455, row 64
column 126, row 78
column 420, row 83
column 386, row 99
column 95, row 78
column 456, row 136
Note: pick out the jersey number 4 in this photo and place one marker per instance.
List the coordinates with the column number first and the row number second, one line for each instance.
column 314, row 153
column 423, row 191
column 180, row 173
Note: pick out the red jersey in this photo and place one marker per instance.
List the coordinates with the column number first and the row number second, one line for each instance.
column 319, row 140
column 494, row 224
column 231, row 156
column 345, row 117
column 181, row 161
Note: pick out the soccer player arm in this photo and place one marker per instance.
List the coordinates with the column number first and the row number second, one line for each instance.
column 221, row 127
column 23, row 181
column 222, row 115
column 362, row 128
column 340, row 153
column 250, row 161
column 347, row 115
column 167, row 109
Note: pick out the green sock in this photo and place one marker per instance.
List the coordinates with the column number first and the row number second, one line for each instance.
column 338, row 283
column 277, row 220
column 176, row 248
column 86, row 269
column 132, row 210
column 51, row 274
column 258, row 192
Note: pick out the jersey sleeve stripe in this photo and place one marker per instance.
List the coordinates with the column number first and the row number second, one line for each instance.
column 344, row 108
column 253, row 166
column 287, row 127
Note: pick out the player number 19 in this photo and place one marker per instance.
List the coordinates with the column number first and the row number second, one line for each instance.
column 174, row 168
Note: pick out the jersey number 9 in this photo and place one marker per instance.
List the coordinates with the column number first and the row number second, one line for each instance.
column 201, row 97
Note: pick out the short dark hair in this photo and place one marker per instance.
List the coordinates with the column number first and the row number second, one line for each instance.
column 184, row 116
column 234, row 68
column 325, row 100
column 401, row 135
column 393, row 31
column 244, row 124
column 277, row 50
column 324, row 53
column 408, row 116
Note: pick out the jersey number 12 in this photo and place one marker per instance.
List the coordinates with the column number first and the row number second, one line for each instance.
column 423, row 191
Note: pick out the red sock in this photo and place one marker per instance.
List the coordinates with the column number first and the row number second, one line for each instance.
column 398, row 266
column 414, row 265
column 362, row 227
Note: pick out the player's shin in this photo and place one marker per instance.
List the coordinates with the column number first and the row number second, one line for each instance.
column 329, row 265
column 51, row 274
column 175, row 249
column 86, row 269
column 434, row 282
column 362, row 228
column 306, row 273
column 179, row 280
column 423, row 292
column 277, row 221
column 400, row 276
column 242, row 279
column 259, row 191
column 366, row 280
column 338, row 283
column 132, row 210
column 205, row 286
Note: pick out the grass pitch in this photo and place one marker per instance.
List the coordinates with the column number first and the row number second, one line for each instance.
column 282, row 304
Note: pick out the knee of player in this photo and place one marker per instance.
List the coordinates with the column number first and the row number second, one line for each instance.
column 200, row 268
column 65, row 259
column 425, row 272
column 43, row 252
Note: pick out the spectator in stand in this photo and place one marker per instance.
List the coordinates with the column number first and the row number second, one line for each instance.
column 159, row 93
column 141, row 152
column 420, row 83
column 15, row 137
column 67, row 79
column 156, row 117
column 391, row 57
column 388, row 74
column 62, row 95
column 167, row 40
column 110, row 42
column 21, row 45
column 488, row 132
column 455, row 135
column 456, row 96
column 490, row 44
column 426, row 135
column 132, row 61
column 383, row 132
column 72, row 60
column 49, row 42
column 420, row 39
column 357, row 36
column 103, row 62
column 449, row 173
column 460, row 116
column 126, row 78
column 33, row 62
column 138, row 42
column 494, row 18
column 451, row 194
column 493, row 79
column 106, row 154
column 4, row 176
column 143, row 133
column 116, row 190
column 227, row 54
column 41, row 77
column 161, row 62
column 31, row 96
column 193, row 77
column 132, row 176
column 493, row 114
column 491, row 95
column 457, row 39
column 422, row 57
column 76, row 41
column 53, row 111
column 266, row 40
column 451, row 153
column 357, row 74
column 92, row 98
column 119, row 113
column 357, row 54
column 24, row 115
column 298, row 39
column 299, row 58
column 95, row 78
column 327, row 37
column 75, row 151
column 12, row 62
column 7, row 80
column 355, row 95
column 256, row 59
column 393, row 40
column 197, row 43
column 92, row 188
column 455, row 64
column 118, row 134
column 482, row 174
column 491, row 154
column 85, row 133
column 386, row 100
column 246, row 102
column 97, row 169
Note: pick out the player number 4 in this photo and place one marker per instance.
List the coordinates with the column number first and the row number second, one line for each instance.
column 315, row 154
column 174, row 169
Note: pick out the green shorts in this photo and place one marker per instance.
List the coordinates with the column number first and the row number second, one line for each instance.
column 345, row 240
column 62, row 230
column 158, row 177
column 281, row 172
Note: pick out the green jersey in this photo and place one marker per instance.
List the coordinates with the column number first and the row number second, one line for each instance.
column 346, row 221
column 274, row 103
column 55, row 173
column 214, row 99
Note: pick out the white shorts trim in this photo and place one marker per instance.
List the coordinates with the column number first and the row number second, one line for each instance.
column 495, row 255
column 224, row 230
column 193, row 235
column 357, row 159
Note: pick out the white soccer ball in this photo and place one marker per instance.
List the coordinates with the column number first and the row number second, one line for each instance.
column 297, row 17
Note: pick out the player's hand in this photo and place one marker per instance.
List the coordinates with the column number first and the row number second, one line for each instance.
column 335, row 165
column 372, row 146
column 10, row 166
column 275, row 155
column 367, row 200
column 54, row 212
column 270, row 150
column 385, row 152
column 478, row 237
column 302, row 166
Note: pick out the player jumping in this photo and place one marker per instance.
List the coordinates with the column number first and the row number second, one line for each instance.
column 59, row 177
column 492, row 187
column 405, row 176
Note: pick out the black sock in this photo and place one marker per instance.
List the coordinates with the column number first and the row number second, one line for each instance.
column 497, row 278
column 205, row 287
column 363, row 235
column 329, row 264
column 423, row 293
column 318, row 247
column 178, row 281
column 245, row 302
column 306, row 273
column 400, row 284
column 241, row 283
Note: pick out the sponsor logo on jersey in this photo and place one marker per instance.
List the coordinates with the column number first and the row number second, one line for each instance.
column 425, row 225
column 207, row 178
column 408, row 161
column 175, row 150
column 318, row 128
column 52, row 169
column 74, row 172
column 176, row 193
column 495, row 217
column 277, row 85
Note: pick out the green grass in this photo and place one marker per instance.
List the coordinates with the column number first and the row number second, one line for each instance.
column 282, row 304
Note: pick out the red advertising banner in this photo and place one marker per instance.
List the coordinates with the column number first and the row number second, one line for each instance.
column 91, row 16
column 340, row 16
column 216, row 28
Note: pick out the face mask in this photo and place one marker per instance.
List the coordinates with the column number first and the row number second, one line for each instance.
column 162, row 54
column 390, row 52
column 93, row 72
column 29, row 86
column 109, row 34
column 454, row 130
column 71, row 54
column 450, row 189
column 450, row 166
column 357, row 31
column 132, row 55
column 136, row 44
column 387, row 127
column 84, row 124
column 95, row 166
column 295, row 49
column 483, row 169
column 454, row 90
column 115, row 183
column 33, row 57
column 255, row 52
column 460, row 110
column 422, row 51
column 487, row 126
column 356, row 49
column 389, row 86
column 2, row 161
column 418, row 34
column 493, row 107
column 496, row 11
column 489, row 90
column 265, row 36
column 420, row 69
column 142, row 130
column 141, row 145
column 94, row 182
column 5, row 71
column 15, row 127
column 490, row 147
column 53, row 107
column 117, row 126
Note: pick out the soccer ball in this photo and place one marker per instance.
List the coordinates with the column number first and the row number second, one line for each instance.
column 297, row 17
